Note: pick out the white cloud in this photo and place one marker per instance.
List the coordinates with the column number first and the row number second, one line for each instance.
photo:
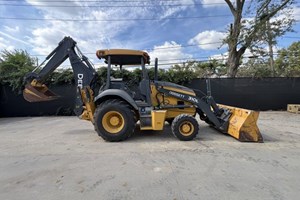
column 169, row 52
column 296, row 13
column 4, row 44
column 222, row 58
column 92, row 35
column 14, row 38
column 208, row 40
column 46, row 39
column 213, row 3
column 68, row 10
column 15, row 29
column 248, row 54
column 41, row 37
column 171, row 10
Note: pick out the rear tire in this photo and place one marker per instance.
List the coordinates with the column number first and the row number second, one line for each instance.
column 185, row 127
column 114, row 120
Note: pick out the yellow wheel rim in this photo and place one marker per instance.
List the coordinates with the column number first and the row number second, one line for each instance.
column 186, row 128
column 113, row 122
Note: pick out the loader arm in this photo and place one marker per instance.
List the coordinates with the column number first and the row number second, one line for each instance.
column 237, row 122
column 84, row 74
column 203, row 106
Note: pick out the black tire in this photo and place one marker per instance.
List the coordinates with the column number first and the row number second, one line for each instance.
column 185, row 127
column 114, row 110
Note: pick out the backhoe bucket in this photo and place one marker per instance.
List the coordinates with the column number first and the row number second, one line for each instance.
column 38, row 93
column 243, row 124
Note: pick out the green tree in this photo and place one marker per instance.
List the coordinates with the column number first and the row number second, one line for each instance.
column 212, row 68
column 13, row 67
column 288, row 61
column 269, row 33
column 181, row 75
column 176, row 74
column 244, row 34
column 256, row 67
column 60, row 77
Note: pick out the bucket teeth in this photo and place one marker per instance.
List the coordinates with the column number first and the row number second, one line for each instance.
column 38, row 93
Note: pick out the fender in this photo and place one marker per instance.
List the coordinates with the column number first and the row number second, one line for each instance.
column 115, row 93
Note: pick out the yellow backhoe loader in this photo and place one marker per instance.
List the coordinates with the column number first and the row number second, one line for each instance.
column 116, row 109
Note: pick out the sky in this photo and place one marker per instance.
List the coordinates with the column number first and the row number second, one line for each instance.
column 171, row 30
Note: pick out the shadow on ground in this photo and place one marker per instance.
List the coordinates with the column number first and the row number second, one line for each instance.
column 206, row 133
column 11, row 120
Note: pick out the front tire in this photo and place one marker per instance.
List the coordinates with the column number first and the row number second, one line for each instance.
column 114, row 120
column 185, row 127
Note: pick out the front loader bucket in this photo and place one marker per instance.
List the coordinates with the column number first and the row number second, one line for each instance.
column 243, row 124
column 38, row 93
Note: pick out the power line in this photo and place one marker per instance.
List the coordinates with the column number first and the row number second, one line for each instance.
column 169, row 63
column 168, row 47
column 104, row 6
column 179, row 46
column 112, row 20
column 162, row 64
column 196, row 60
column 191, row 59
column 209, row 58
column 161, row 48
column 156, row 48
column 116, row 20
column 187, row 60
column 102, row 1
column 92, row 1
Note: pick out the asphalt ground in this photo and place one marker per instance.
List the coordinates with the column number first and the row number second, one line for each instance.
column 63, row 158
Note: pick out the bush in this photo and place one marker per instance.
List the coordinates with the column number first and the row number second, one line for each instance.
column 61, row 77
column 13, row 67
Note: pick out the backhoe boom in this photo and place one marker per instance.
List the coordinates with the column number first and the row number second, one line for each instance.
column 84, row 74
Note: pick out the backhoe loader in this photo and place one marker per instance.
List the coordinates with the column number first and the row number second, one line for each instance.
column 116, row 109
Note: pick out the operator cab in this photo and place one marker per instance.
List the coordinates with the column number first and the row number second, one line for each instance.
column 126, row 57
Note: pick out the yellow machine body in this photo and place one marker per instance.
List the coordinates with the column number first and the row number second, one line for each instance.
column 159, row 116
column 87, row 97
column 157, row 98
column 243, row 124
column 165, row 102
column 158, row 120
